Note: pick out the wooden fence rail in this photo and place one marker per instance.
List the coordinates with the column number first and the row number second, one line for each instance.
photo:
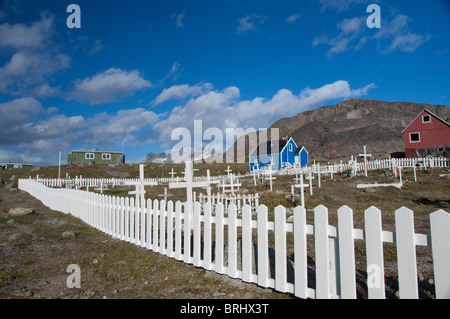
column 201, row 235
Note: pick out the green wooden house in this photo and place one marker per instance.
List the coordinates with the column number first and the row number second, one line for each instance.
column 95, row 157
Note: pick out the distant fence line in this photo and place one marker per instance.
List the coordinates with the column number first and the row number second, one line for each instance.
column 96, row 182
column 316, row 169
column 201, row 235
column 391, row 163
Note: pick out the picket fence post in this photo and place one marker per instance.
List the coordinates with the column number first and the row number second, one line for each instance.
column 280, row 251
column 232, row 241
column 440, row 244
column 374, row 252
column 263, row 248
column 406, row 254
column 346, row 253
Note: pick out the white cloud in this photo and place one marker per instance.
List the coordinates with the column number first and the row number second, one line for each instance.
column 7, row 156
column 31, row 68
column 224, row 109
column 33, row 58
column 353, row 25
column 178, row 19
column 45, row 90
column 394, row 35
column 110, row 127
column 251, row 22
column 173, row 74
column 18, row 111
column 39, row 132
column 340, row 5
column 182, row 91
column 98, row 47
column 349, row 31
column 20, row 36
column 108, row 86
column 293, row 18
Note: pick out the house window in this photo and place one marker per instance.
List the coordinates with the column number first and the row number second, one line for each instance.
column 89, row 155
column 414, row 137
column 426, row 119
column 290, row 147
column 106, row 156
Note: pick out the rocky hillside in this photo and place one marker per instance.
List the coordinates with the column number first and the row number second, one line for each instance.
column 338, row 131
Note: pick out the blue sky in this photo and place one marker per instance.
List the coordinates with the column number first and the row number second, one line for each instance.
column 137, row 70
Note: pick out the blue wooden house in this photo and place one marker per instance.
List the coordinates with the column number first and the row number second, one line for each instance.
column 279, row 154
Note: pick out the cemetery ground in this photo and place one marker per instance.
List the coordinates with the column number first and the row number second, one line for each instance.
column 36, row 249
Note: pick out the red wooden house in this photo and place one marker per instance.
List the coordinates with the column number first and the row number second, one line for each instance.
column 427, row 135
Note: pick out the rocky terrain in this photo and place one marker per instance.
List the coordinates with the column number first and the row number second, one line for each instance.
column 338, row 131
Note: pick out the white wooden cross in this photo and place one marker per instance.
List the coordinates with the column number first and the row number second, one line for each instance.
column 330, row 169
column 165, row 195
column 302, row 189
column 355, row 166
column 318, row 174
column 172, row 173
column 209, row 182
column 400, row 175
column 189, row 184
column 310, row 178
column 231, row 185
column 101, row 187
column 140, row 190
column 365, row 155
column 228, row 170
column 255, row 172
column 270, row 178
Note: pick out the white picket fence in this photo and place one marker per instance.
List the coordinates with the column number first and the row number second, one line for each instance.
column 324, row 170
column 79, row 182
column 185, row 232
column 240, row 200
column 391, row 163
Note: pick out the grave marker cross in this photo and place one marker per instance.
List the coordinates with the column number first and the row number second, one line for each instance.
column 172, row 173
column 302, row 189
column 189, row 184
column 140, row 190
column 365, row 155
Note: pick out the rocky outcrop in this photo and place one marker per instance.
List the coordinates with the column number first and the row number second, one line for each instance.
column 338, row 131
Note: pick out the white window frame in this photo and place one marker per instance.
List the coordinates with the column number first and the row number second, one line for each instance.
column 89, row 155
column 423, row 119
column 106, row 156
column 290, row 147
column 410, row 135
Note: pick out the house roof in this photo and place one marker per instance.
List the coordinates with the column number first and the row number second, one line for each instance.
column 96, row 152
column 269, row 148
column 299, row 149
column 425, row 110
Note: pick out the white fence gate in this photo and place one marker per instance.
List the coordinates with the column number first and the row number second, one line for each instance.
column 207, row 239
